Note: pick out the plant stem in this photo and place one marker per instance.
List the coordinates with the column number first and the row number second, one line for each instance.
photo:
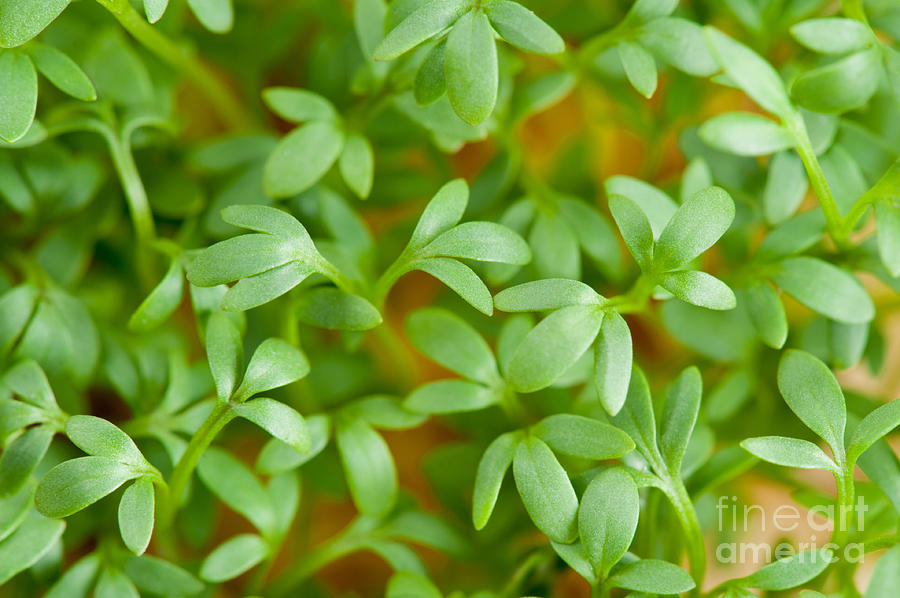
column 221, row 99
column 833, row 220
column 687, row 516
column 200, row 441
column 332, row 549
column 853, row 9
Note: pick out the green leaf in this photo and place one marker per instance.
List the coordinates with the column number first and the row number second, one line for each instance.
column 461, row 279
column 225, row 351
column 789, row 452
column 73, row 485
column 679, row 42
column 480, row 241
column 766, row 313
column 450, row 341
column 259, row 289
column 78, row 579
column 873, row 426
column 746, row 134
column 62, row 72
column 357, row 164
column 554, row 247
column 328, row 307
column 28, row 380
column 521, row 27
column 608, row 518
column 238, row 257
column 23, row 19
column 652, row 576
column 231, row 481
column 648, row 10
column 302, row 158
column 442, row 213
column 489, row 477
column 612, row 362
column 470, row 65
column 430, row 83
column 786, row 186
column 832, row 35
column 162, row 301
column 369, row 467
column 16, row 307
column 790, row 572
column 553, row 346
column 750, row 72
column 21, row 456
column 233, row 557
column 680, row 416
column 694, row 228
column 886, row 575
column 28, row 544
column 839, row 86
column 582, row 437
column 215, row 15
column 274, row 363
column 96, row 436
column 279, row 420
column 825, row 288
column 113, row 583
column 136, row 515
column 425, row 22
column 640, row 67
column 635, row 229
column 887, row 220
column 636, row 417
column 384, row 412
column 154, row 9
column 298, row 105
column 161, row 577
column 545, row 489
column 656, row 205
column 18, row 94
column 277, row 457
column 405, row 585
column 699, row 288
column 14, row 508
column 547, row 294
column 266, row 219
column 811, row 391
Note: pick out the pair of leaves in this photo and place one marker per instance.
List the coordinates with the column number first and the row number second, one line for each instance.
column 19, row 83
column 309, row 151
column 464, row 64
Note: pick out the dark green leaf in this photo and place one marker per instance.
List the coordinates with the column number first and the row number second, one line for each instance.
column 680, row 416
column 332, row 308
column 225, row 351
column 489, row 477
column 369, row 467
column 811, row 391
column 161, row 577
column 73, row 485
column 470, row 65
column 234, row 557
column 767, row 313
column 231, row 481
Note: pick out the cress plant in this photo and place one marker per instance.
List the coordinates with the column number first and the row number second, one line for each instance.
column 237, row 239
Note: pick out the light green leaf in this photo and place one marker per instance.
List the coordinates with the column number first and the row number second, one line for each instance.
column 812, row 392
column 636, row 417
column 259, row 289
column 78, row 579
column 612, row 362
column 480, row 241
column 161, row 577
column 298, row 105
column 113, row 583
column 369, row 467
column 656, row 205
column 96, row 436
column 73, row 485
column 21, row 456
column 680, row 416
column 582, row 437
column 608, row 518
column 154, row 9
column 635, row 229
column 545, row 489
column 18, row 93
column 233, row 557
column 16, row 306
column 521, row 27
column 679, row 42
column 28, row 380
column 640, row 67
column 425, row 22
column 237, row 487
column 136, row 515
column 887, row 220
column 648, row 10
column 277, row 457
column 491, row 470
column 450, row 341
column 555, row 249
column 694, row 228
column 789, row 452
column 766, row 313
column 430, row 83
column 875, row 425
column 62, row 72
column 450, row 396
column 839, row 86
column 746, row 134
column 786, row 186
column 750, row 72
column 161, row 302
column 28, row 544
column 825, row 288
column 652, row 576
column 266, row 219
column 832, row 35
column 357, row 164
column 215, row 15
column 328, row 307
column 790, row 572
column 277, row 419
column 470, row 66
column 552, row 346
column 461, row 279
column 239, row 257
column 699, row 288
column 442, row 213
column 384, row 412
column 225, row 351
column 21, row 20
column 886, row 575
column 302, row 158
column 547, row 294
column 274, row 363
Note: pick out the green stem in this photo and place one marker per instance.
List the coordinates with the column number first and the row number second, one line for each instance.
column 833, row 220
column 341, row 545
column 133, row 186
column 216, row 93
column 181, row 475
column 687, row 516
column 853, row 9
